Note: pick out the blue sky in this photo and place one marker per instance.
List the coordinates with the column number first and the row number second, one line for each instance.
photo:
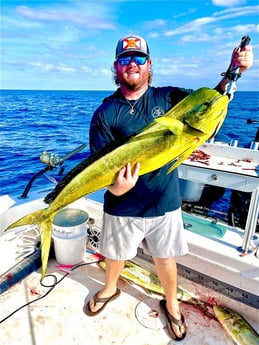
column 69, row 45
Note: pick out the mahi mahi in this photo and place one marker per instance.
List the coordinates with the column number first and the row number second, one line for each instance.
column 150, row 282
column 236, row 327
column 171, row 138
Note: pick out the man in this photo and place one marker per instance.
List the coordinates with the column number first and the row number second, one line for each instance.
column 144, row 209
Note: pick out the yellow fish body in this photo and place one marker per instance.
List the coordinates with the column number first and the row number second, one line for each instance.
column 150, row 282
column 236, row 327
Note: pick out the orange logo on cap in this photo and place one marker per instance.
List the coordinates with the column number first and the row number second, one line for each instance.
column 131, row 42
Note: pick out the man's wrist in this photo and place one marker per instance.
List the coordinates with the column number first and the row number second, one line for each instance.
column 221, row 87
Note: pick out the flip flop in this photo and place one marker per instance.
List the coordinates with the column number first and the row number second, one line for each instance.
column 170, row 319
column 96, row 300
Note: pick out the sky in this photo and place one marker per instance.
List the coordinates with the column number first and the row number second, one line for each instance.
column 70, row 44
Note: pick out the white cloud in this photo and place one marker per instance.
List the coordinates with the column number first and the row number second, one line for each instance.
column 46, row 67
column 228, row 3
column 205, row 37
column 81, row 18
column 153, row 34
column 155, row 23
column 44, row 15
column 11, row 22
column 199, row 23
column 236, row 12
column 105, row 71
column 243, row 29
column 41, row 66
column 86, row 69
column 63, row 68
column 196, row 38
column 191, row 26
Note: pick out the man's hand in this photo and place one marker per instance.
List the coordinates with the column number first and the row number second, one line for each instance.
column 242, row 58
column 125, row 180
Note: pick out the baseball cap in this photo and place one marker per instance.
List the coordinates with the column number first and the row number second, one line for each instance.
column 132, row 44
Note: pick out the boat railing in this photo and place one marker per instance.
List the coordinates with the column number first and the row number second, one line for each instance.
column 251, row 221
column 231, row 168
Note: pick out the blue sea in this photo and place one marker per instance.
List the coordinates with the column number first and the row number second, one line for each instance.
column 58, row 122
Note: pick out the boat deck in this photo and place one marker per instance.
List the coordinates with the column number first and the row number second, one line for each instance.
column 58, row 318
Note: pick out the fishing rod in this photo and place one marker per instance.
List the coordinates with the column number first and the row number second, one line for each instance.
column 52, row 160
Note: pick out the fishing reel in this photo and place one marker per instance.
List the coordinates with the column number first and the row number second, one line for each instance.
column 52, row 159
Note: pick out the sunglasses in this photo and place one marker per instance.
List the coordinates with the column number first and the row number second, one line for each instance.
column 126, row 60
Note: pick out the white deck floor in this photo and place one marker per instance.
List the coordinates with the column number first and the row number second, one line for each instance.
column 58, row 318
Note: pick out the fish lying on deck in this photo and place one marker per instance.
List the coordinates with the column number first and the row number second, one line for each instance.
column 150, row 282
column 236, row 327
column 136, row 274
column 171, row 138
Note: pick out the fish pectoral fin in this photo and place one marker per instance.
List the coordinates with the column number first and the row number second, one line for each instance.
column 176, row 160
column 173, row 162
column 175, row 126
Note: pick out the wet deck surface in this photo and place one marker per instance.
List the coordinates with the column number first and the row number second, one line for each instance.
column 58, row 318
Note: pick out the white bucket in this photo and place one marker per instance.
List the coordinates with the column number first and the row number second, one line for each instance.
column 69, row 232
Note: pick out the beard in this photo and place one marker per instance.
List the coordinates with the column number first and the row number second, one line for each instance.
column 132, row 83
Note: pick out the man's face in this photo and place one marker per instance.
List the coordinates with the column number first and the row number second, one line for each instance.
column 133, row 70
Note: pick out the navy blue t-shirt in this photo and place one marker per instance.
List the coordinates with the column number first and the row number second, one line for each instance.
column 156, row 192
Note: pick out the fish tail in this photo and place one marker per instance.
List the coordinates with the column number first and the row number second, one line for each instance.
column 33, row 218
column 45, row 229
column 43, row 219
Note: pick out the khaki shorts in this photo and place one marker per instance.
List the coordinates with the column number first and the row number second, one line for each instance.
column 161, row 237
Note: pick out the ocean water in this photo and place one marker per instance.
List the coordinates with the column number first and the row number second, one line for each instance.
column 58, row 122
column 35, row 121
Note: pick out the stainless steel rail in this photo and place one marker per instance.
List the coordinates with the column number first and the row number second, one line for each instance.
column 251, row 220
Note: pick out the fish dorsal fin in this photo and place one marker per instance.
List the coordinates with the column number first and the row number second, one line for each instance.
column 175, row 126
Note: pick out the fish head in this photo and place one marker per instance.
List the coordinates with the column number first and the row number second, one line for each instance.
column 207, row 117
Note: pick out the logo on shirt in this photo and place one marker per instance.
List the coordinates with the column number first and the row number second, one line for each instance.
column 157, row 112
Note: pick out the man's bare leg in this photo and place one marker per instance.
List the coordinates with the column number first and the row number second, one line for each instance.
column 113, row 271
column 167, row 273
